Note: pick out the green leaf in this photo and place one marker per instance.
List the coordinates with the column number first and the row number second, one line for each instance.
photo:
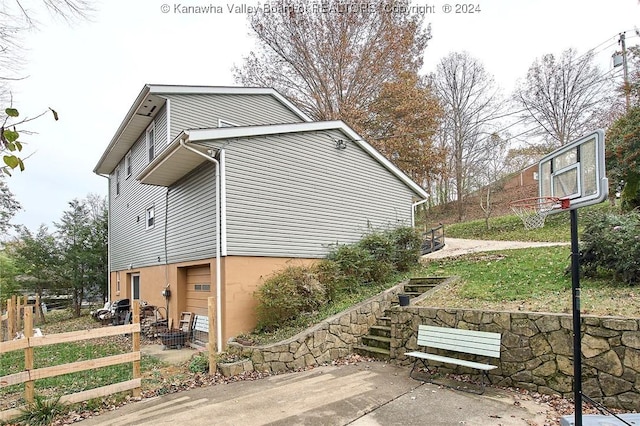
column 11, row 112
column 20, row 164
column 12, row 161
column 11, row 135
column 55, row 114
column 18, row 146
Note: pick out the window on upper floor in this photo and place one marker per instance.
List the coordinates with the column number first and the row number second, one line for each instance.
column 150, row 217
column 127, row 164
column 225, row 123
column 151, row 141
column 117, row 181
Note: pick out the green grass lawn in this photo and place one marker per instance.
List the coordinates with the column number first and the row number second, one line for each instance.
column 533, row 279
column 510, row 228
column 64, row 353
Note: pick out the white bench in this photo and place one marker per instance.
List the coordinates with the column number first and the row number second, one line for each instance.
column 481, row 343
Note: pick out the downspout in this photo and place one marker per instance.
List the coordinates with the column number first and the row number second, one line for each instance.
column 413, row 211
column 218, row 241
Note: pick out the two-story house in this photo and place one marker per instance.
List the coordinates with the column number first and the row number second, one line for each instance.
column 211, row 189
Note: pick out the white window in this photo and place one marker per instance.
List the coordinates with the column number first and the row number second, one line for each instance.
column 150, row 217
column 151, row 141
column 118, row 181
column 127, row 164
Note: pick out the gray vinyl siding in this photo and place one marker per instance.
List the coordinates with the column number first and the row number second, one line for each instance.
column 295, row 195
column 191, row 231
column 131, row 243
column 202, row 111
column 161, row 130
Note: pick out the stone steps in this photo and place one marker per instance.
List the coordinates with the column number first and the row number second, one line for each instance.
column 377, row 343
column 372, row 351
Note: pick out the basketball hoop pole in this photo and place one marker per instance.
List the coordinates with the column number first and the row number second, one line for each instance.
column 577, row 341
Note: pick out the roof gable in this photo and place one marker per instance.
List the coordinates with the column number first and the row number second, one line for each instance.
column 151, row 100
column 175, row 162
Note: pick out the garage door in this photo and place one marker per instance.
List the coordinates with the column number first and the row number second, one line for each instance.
column 198, row 289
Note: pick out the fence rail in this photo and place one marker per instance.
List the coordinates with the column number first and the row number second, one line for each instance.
column 432, row 240
column 31, row 374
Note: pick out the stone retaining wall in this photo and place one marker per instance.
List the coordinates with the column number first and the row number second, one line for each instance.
column 331, row 339
column 537, row 350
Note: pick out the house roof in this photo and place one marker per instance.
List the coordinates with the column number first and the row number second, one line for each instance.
column 150, row 101
column 174, row 162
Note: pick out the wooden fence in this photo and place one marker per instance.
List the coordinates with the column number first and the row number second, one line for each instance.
column 11, row 321
column 31, row 374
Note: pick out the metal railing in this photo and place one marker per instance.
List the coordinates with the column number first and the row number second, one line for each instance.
column 432, row 240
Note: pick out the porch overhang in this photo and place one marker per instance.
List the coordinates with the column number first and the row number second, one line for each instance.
column 172, row 164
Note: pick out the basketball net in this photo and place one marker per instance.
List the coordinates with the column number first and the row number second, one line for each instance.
column 533, row 211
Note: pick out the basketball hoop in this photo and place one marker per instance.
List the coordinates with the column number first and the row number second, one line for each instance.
column 533, row 211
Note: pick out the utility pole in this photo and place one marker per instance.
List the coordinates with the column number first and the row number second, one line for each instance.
column 625, row 71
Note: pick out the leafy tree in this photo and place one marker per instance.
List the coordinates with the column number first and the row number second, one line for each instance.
column 36, row 259
column 623, row 156
column 8, row 207
column 98, row 237
column 471, row 103
column 10, row 146
column 563, row 95
column 333, row 65
column 404, row 120
column 82, row 235
column 8, row 272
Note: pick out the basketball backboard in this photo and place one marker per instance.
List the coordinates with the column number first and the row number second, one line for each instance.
column 575, row 172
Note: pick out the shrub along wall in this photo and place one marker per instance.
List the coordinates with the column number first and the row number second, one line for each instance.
column 331, row 339
column 537, row 350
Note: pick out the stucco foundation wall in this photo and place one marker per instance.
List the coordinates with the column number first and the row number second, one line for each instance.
column 242, row 276
column 537, row 350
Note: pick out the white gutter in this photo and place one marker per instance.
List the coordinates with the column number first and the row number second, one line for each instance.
column 413, row 211
column 218, row 241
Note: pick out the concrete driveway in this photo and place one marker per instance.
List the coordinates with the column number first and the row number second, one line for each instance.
column 458, row 246
column 363, row 394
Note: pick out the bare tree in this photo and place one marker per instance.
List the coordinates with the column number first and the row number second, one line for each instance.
column 471, row 104
column 332, row 58
column 563, row 96
column 490, row 174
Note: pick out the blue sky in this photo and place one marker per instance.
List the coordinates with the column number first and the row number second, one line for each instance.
column 91, row 72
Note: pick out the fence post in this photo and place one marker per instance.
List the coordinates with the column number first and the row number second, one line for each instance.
column 29, row 392
column 18, row 316
column 135, row 337
column 211, row 345
column 11, row 318
column 38, row 310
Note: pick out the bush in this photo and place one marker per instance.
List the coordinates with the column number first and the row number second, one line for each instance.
column 354, row 262
column 199, row 363
column 287, row 294
column 406, row 242
column 334, row 280
column 298, row 290
column 41, row 411
column 611, row 244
